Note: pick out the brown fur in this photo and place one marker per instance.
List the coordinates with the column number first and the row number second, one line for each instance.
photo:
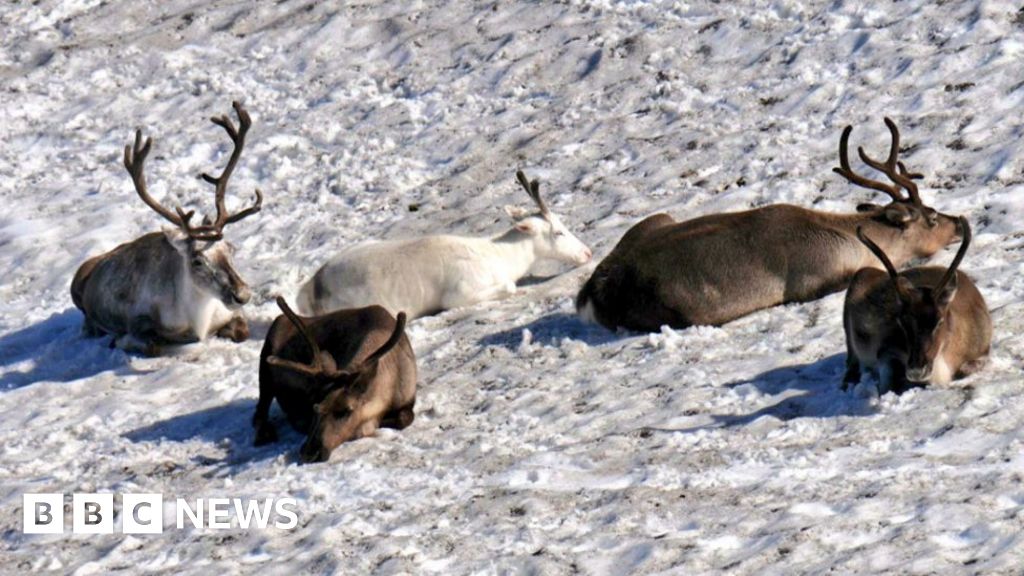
column 719, row 267
column 716, row 268
column 911, row 329
column 335, row 410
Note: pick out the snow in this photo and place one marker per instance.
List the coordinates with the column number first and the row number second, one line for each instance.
column 541, row 444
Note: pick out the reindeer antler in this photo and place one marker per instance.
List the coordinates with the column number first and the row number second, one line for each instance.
column 318, row 367
column 893, row 274
column 392, row 341
column 533, row 189
column 965, row 226
column 134, row 161
column 892, row 167
column 315, row 368
column 215, row 231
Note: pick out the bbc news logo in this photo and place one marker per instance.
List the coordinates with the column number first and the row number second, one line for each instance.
column 144, row 513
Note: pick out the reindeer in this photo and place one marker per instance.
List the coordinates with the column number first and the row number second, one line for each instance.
column 924, row 325
column 175, row 286
column 716, row 268
column 338, row 377
column 427, row 275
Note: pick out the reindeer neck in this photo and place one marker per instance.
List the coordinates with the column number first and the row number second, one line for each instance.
column 514, row 252
column 887, row 237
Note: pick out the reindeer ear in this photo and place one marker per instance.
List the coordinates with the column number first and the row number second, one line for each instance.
column 516, row 213
column 328, row 362
column 177, row 240
column 528, row 226
column 899, row 214
column 948, row 292
column 904, row 287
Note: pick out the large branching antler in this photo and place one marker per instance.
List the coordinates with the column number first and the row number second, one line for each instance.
column 134, row 161
column 215, row 231
column 533, row 189
column 892, row 167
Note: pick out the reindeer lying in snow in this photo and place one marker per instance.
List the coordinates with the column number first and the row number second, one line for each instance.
column 926, row 324
column 427, row 275
column 338, row 377
column 716, row 268
column 175, row 286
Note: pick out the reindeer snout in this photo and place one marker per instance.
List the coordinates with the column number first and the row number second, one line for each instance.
column 919, row 374
column 586, row 256
column 312, row 452
column 242, row 295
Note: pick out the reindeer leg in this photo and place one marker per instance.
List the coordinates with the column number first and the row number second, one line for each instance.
column 971, row 367
column 852, row 375
column 465, row 295
column 142, row 336
column 90, row 329
column 398, row 419
column 265, row 431
column 236, row 330
column 885, row 376
column 900, row 384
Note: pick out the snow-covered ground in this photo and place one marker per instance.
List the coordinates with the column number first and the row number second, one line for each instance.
column 541, row 445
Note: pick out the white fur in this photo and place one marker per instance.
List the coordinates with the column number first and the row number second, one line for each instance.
column 433, row 273
column 941, row 372
column 586, row 313
column 195, row 310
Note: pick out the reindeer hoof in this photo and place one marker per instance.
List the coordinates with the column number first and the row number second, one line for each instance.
column 265, row 434
column 405, row 418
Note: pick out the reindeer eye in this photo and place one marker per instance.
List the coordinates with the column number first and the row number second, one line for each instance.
column 559, row 233
column 197, row 262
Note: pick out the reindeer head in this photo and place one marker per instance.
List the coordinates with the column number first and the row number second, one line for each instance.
column 202, row 248
column 923, row 312
column 340, row 392
column 922, row 229
column 211, row 268
column 551, row 238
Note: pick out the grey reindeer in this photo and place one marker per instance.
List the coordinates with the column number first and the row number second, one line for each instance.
column 719, row 267
column 174, row 286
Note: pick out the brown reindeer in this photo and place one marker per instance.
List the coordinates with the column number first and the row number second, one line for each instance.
column 174, row 286
column 716, row 268
column 924, row 325
column 338, row 377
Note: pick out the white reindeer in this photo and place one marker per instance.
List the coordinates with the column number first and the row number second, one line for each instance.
column 426, row 275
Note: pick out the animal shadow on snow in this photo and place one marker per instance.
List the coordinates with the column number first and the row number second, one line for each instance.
column 56, row 350
column 551, row 329
column 822, row 397
column 227, row 426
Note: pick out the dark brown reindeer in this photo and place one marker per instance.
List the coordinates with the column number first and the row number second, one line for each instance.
column 175, row 286
column 338, row 377
column 716, row 268
column 924, row 325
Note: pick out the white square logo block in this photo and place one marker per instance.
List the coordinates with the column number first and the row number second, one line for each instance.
column 43, row 513
column 142, row 513
column 92, row 513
